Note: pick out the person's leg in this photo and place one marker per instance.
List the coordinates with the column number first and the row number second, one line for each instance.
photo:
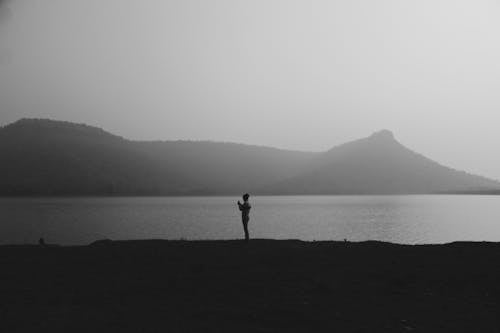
column 245, row 228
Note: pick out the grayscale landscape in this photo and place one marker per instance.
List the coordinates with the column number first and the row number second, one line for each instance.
column 249, row 166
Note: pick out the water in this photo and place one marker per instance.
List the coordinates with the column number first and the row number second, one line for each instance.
column 400, row 219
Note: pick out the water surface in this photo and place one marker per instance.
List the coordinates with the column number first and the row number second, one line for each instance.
column 400, row 219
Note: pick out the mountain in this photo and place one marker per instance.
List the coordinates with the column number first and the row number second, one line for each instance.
column 380, row 165
column 46, row 157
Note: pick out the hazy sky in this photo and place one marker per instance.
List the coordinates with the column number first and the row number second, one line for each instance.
column 304, row 75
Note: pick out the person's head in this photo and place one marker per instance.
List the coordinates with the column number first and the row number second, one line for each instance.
column 246, row 196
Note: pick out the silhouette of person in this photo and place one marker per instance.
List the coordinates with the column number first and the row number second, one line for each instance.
column 41, row 242
column 245, row 214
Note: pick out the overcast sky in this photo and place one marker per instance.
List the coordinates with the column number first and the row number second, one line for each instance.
column 303, row 75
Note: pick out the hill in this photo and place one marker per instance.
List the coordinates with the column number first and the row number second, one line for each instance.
column 380, row 165
column 46, row 157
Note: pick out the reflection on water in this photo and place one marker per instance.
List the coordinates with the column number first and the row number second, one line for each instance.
column 400, row 219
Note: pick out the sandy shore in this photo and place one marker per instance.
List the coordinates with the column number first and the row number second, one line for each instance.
column 263, row 286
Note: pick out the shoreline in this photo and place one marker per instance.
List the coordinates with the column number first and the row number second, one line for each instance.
column 220, row 242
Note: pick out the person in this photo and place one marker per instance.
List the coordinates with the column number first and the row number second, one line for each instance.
column 245, row 214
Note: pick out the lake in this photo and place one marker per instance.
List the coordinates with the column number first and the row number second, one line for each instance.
column 401, row 219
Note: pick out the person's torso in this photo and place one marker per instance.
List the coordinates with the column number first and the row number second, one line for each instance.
column 245, row 210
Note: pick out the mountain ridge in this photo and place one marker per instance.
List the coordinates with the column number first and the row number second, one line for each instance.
column 49, row 157
column 379, row 164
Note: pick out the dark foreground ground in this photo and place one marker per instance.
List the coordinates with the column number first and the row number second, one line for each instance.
column 264, row 286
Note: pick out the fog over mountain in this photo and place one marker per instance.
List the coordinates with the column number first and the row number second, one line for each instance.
column 300, row 75
column 46, row 157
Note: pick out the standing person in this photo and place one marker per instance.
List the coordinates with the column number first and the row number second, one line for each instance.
column 245, row 214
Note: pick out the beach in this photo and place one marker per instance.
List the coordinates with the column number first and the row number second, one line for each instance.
column 262, row 286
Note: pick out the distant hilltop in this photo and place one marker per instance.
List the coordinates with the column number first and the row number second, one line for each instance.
column 47, row 157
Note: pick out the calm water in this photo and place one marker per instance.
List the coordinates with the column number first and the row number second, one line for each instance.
column 401, row 219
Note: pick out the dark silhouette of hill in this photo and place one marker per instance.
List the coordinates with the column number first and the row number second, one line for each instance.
column 380, row 165
column 46, row 157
